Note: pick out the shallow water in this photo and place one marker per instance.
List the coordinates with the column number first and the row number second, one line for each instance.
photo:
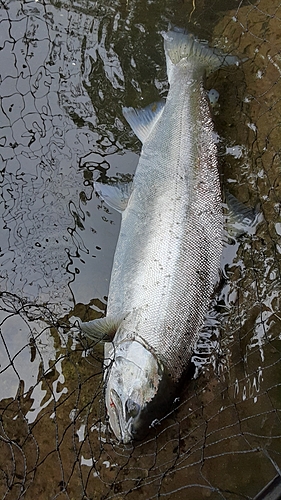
column 66, row 71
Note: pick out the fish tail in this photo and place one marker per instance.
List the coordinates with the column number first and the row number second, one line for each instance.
column 182, row 46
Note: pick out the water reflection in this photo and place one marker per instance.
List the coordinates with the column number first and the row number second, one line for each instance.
column 66, row 71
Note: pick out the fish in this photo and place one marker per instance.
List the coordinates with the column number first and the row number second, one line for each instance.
column 167, row 258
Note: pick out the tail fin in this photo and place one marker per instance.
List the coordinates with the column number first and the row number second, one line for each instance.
column 181, row 45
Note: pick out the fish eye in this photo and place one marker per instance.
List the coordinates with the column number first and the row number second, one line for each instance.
column 132, row 409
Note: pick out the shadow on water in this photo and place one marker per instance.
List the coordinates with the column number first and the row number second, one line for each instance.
column 67, row 68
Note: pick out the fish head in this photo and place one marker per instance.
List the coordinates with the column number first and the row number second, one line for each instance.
column 135, row 390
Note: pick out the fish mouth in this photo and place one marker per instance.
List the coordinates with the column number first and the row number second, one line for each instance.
column 127, row 434
column 124, row 417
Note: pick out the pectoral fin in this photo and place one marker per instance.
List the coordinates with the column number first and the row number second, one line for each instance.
column 102, row 329
column 143, row 120
column 115, row 195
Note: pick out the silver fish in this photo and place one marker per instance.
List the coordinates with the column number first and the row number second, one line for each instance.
column 169, row 248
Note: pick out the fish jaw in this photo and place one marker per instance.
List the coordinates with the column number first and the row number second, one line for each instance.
column 136, row 390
